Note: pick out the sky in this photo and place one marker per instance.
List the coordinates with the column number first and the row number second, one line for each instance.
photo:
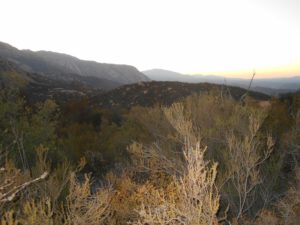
column 219, row 37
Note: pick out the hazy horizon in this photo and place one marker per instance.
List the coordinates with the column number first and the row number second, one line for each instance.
column 190, row 37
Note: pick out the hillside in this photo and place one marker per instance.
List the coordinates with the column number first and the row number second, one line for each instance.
column 165, row 93
column 57, row 65
column 130, row 155
column 37, row 87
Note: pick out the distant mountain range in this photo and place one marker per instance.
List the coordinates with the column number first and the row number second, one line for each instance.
column 65, row 67
column 56, row 70
column 271, row 86
column 39, row 87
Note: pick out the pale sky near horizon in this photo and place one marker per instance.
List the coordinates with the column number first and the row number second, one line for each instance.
column 189, row 36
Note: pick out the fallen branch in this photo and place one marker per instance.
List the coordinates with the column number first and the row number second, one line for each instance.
column 11, row 195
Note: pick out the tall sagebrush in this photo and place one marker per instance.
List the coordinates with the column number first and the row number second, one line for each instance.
column 85, row 207
column 194, row 200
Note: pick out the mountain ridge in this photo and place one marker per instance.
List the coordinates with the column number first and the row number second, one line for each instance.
column 54, row 64
column 37, row 87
